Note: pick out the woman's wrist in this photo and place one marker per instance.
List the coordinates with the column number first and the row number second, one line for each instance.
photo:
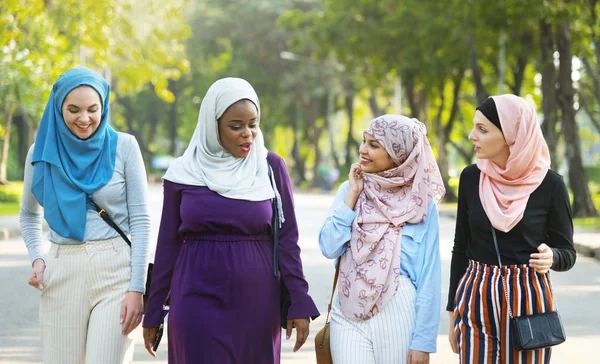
column 351, row 199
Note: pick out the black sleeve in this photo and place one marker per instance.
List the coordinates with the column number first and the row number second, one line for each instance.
column 462, row 235
column 560, row 228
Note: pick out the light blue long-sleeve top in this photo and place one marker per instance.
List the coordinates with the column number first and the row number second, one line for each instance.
column 125, row 199
column 419, row 260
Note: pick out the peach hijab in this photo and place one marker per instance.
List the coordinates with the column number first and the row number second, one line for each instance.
column 504, row 192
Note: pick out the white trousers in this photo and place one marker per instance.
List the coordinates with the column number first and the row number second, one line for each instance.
column 80, row 305
column 382, row 339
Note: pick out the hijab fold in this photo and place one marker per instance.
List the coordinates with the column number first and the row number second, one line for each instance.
column 504, row 192
column 370, row 268
column 206, row 163
column 66, row 169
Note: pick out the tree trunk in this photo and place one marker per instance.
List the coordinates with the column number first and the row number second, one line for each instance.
column 411, row 95
column 351, row 144
column 443, row 133
column 442, row 159
column 375, row 110
column 6, row 148
column 582, row 200
column 331, row 97
column 299, row 163
column 173, row 117
column 480, row 91
column 589, row 111
column 314, row 133
column 549, row 79
column 22, row 123
column 129, row 114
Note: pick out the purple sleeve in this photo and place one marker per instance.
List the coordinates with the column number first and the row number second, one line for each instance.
column 167, row 250
column 290, row 263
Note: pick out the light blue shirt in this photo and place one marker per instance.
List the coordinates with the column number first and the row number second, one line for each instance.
column 125, row 199
column 419, row 260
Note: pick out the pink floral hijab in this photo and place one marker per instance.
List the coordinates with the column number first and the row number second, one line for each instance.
column 370, row 268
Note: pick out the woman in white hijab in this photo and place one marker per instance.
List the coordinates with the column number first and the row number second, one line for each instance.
column 215, row 258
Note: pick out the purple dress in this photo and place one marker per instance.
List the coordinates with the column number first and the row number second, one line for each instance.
column 215, row 258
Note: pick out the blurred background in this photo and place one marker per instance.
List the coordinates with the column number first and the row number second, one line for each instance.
column 322, row 70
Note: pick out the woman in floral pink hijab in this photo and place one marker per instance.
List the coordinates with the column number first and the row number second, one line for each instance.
column 513, row 197
column 383, row 226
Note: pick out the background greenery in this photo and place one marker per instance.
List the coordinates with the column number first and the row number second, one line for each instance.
column 322, row 69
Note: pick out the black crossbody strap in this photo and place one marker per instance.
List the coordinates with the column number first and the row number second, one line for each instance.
column 275, row 226
column 102, row 213
column 496, row 246
column 547, row 274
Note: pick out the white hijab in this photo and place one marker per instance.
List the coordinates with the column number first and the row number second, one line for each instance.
column 205, row 161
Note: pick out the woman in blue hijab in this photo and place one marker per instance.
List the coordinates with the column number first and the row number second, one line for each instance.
column 91, row 280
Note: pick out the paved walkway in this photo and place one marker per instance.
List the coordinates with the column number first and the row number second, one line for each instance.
column 578, row 291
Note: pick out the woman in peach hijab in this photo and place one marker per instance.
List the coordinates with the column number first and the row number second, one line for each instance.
column 511, row 194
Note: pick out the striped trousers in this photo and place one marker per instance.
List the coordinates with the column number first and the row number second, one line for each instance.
column 482, row 320
column 382, row 339
column 80, row 305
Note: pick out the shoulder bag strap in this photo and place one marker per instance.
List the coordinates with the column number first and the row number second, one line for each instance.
column 274, row 225
column 504, row 281
column 102, row 213
column 335, row 279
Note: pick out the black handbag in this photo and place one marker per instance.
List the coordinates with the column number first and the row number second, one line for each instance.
column 102, row 213
column 285, row 300
column 537, row 331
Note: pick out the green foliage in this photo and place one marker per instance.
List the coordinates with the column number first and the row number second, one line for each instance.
column 161, row 57
column 11, row 193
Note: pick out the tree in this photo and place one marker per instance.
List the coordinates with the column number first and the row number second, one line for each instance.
column 578, row 181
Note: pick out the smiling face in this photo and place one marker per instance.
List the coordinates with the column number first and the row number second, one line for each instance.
column 82, row 111
column 373, row 156
column 488, row 140
column 238, row 127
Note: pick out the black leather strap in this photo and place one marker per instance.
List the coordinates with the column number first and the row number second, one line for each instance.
column 102, row 213
column 496, row 246
column 275, row 222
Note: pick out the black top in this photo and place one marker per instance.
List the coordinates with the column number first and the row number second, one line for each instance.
column 547, row 219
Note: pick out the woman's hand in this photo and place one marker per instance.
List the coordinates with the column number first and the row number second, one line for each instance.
column 542, row 261
column 417, row 357
column 149, row 338
column 36, row 279
column 302, row 327
column 357, row 185
column 131, row 311
column 452, row 333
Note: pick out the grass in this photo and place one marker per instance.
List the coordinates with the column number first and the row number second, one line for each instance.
column 10, row 198
column 9, row 208
column 587, row 222
column 590, row 222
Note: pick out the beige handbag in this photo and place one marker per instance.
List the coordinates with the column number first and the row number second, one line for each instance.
column 322, row 348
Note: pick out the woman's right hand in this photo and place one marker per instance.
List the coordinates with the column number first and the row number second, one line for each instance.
column 356, row 185
column 149, row 338
column 36, row 279
column 452, row 333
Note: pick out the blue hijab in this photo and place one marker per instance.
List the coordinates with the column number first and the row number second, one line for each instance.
column 67, row 169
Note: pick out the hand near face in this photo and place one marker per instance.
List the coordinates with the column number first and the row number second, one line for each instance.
column 357, row 185
column 355, row 178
